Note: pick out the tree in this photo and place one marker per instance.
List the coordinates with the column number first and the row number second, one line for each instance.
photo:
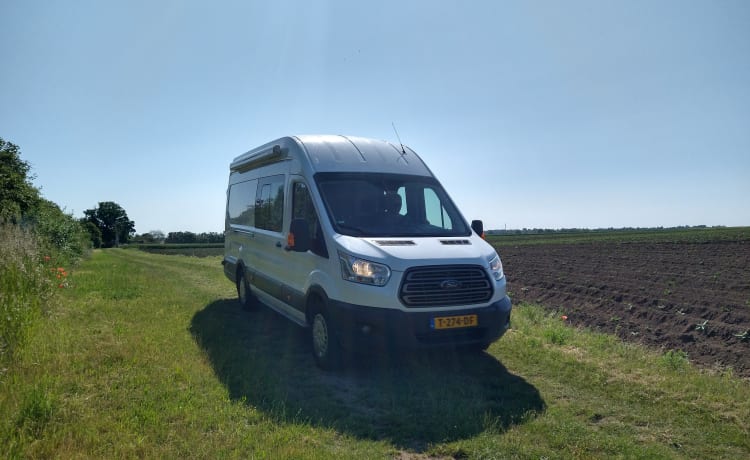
column 157, row 235
column 152, row 237
column 181, row 237
column 17, row 196
column 94, row 233
column 113, row 223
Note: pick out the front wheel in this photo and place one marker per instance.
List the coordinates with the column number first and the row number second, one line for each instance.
column 325, row 345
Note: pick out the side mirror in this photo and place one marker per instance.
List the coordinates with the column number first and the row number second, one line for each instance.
column 298, row 239
column 478, row 227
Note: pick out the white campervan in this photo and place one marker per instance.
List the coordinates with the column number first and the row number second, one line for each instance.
column 357, row 240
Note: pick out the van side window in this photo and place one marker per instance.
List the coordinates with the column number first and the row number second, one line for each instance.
column 269, row 203
column 434, row 210
column 303, row 208
column 241, row 203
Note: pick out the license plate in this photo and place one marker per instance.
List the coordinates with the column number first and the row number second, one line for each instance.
column 454, row 322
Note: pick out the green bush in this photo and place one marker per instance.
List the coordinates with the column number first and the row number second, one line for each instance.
column 61, row 236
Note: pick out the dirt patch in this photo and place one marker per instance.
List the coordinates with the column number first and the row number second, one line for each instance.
column 686, row 296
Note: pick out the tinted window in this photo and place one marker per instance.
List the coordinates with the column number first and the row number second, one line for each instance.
column 382, row 205
column 241, row 203
column 269, row 203
column 434, row 211
column 303, row 208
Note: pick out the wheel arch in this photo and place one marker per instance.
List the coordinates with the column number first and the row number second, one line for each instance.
column 314, row 294
column 240, row 268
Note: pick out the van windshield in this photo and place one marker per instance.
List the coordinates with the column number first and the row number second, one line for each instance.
column 385, row 205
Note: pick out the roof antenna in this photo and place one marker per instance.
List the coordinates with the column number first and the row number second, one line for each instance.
column 403, row 151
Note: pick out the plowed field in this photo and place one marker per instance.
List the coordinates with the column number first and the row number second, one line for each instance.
column 685, row 296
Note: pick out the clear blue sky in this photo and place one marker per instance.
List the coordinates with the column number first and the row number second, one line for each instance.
column 531, row 113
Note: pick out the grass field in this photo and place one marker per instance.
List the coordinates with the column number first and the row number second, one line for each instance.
column 149, row 356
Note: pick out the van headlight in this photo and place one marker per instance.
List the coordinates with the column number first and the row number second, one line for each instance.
column 363, row 271
column 496, row 267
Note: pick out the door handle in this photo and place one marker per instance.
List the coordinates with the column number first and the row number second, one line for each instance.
column 278, row 244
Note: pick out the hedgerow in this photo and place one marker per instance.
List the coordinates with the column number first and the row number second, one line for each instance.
column 37, row 241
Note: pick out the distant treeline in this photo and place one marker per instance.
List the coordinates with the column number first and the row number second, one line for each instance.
column 543, row 231
column 190, row 237
column 179, row 238
column 156, row 237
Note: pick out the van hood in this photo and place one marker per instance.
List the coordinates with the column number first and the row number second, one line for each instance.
column 404, row 252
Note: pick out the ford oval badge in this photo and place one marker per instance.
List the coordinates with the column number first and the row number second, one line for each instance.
column 450, row 284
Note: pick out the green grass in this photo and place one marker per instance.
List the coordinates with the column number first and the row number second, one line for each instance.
column 686, row 235
column 150, row 356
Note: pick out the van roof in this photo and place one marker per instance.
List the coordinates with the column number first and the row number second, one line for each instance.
column 335, row 153
column 360, row 154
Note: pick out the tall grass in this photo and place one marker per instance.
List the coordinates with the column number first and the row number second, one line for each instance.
column 32, row 260
column 25, row 287
column 36, row 239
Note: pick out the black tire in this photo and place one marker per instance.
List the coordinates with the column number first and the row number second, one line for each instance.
column 244, row 294
column 326, row 347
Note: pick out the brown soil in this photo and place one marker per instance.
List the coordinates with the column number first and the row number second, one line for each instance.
column 654, row 293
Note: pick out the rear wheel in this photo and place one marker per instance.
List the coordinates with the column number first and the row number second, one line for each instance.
column 244, row 295
column 325, row 343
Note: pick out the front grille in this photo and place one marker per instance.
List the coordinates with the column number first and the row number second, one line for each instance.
column 445, row 286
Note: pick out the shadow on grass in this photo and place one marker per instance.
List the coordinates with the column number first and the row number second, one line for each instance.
column 411, row 401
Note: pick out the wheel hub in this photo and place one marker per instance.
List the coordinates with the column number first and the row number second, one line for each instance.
column 320, row 335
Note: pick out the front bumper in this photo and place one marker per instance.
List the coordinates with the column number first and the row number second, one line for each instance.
column 361, row 327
